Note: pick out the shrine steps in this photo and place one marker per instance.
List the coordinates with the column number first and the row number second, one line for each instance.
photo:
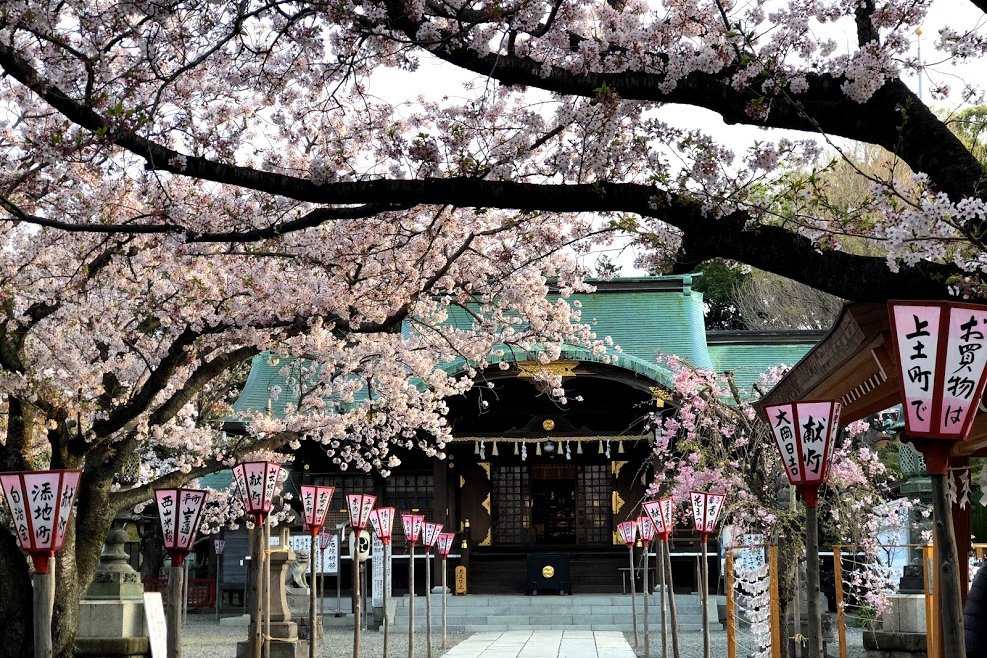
column 605, row 612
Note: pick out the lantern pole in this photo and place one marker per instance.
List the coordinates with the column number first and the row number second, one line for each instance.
column 672, row 608
column 704, row 591
column 175, row 578
column 312, row 613
column 267, row 586
column 387, row 580
column 445, row 637
column 660, row 558
column 937, row 466
column 647, row 637
column 810, row 496
column 357, row 607
column 411, row 600
column 257, row 606
column 44, row 605
column 428, row 603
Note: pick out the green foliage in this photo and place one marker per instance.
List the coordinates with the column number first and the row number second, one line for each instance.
column 718, row 282
column 970, row 125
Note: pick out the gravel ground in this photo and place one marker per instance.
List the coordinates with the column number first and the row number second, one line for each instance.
column 204, row 638
column 691, row 644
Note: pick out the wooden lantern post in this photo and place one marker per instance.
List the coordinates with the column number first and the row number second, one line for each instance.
column 315, row 505
column 179, row 511
column 359, row 506
column 40, row 503
column 256, row 483
column 430, row 535
column 443, row 546
column 806, row 434
column 382, row 522
column 939, row 349
column 705, row 511
column 412, row 524
column 628, row 534
column 646, row 529
column 219, row 545
column 660, row 513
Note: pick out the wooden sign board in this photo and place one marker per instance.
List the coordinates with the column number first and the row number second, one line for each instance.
column 460, row 580
column 157, row 628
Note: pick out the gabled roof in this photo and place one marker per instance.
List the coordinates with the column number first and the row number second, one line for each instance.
column 647, row 317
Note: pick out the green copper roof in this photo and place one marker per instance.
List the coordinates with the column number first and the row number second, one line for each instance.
column 647, row 317
column 750, row 354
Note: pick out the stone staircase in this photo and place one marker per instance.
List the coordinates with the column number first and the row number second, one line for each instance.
column 598, row 612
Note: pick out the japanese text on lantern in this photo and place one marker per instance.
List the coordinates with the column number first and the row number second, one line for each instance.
column 917, row 335
column 965, row 360
column 783, row 427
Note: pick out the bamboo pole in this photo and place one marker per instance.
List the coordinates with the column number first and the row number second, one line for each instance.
column 731, row 618
column 44, row 605
column 662, row 547
column 630, row 554
column 428, row 603
column 704, row 594
column 673, row 614
column 411, row 601
column 647, row 595
column 776, row 635
column 840, row 602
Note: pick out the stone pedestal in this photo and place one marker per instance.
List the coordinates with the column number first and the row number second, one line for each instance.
column 287, row 643
column 903, row 629
column 111, row 614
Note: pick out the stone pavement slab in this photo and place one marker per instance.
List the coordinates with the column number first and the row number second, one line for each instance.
column 543, row 644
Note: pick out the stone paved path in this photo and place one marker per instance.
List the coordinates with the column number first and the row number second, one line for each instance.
column 543, row 644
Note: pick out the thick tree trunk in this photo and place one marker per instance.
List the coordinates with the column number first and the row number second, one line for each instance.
column 15, row 604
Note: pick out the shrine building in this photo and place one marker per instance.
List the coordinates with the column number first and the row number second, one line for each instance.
column 527, row 476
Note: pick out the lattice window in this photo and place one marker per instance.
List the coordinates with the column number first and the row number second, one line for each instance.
column 410, row 492
column 355, row 483
column 593, row 496
column 511, row 505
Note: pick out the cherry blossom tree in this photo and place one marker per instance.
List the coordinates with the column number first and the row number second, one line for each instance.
column 184, row 183
column 714, row 440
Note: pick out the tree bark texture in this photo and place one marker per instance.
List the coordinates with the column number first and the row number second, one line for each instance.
column 15, row 604
column 952, row 609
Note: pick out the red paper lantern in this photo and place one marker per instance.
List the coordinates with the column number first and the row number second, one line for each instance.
column 412, row 526
column 628, row 532
column 382, row 521
column 324, row 540
column 939, row 347
column 315, row 503
column 178, row 512
column 646, row 528
column 444, row 543
column 40, row 503
column 706, row 510
column 660, row 513
column 360, row 506
column 431, row 535
column 805, row 434
column 256, row 483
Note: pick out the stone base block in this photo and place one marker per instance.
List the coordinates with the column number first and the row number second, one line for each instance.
column 887, row 644
column 113, row 647
column 905, row 613
column 111, row 619
column 279, row 649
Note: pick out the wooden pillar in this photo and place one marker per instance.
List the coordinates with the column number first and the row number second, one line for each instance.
column 840, row 607
column 440, row 509
column 777, row 638
column 731, row 615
